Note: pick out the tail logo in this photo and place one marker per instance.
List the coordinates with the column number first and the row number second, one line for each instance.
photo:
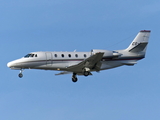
column 135, row 43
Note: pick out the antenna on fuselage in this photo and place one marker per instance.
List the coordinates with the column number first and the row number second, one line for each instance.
column 75, row 50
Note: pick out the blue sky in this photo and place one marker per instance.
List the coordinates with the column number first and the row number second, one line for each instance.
column 124, row 93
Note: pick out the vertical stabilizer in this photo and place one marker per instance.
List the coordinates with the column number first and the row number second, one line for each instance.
column 139, row 44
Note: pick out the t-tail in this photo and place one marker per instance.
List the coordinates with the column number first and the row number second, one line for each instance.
column 139, row 44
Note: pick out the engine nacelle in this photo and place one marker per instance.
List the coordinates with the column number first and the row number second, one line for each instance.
column 107, row 53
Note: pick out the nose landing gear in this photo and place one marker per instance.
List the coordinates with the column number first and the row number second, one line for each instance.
column 20, row 75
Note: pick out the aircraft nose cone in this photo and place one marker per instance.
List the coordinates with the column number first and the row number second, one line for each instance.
column 9, row 64
column 14, row 64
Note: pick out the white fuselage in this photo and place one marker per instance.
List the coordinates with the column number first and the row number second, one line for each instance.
column 62, row 60
column 83, row 63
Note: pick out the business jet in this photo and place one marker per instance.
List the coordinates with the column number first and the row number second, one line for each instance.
column 84, row 63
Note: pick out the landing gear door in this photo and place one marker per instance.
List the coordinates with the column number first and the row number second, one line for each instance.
column 48, row 59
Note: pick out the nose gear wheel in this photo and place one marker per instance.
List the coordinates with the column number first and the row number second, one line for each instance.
column 20, row 75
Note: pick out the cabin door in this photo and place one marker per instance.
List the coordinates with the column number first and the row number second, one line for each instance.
column 48, row 59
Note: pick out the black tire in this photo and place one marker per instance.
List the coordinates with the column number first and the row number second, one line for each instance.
column 86, row 73
column 20, row 75
column 74, row 79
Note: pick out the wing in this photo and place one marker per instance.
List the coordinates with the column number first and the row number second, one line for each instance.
column 64, row 72
column 92, row 63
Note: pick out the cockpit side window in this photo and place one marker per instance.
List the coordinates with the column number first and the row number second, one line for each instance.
column 30, row 55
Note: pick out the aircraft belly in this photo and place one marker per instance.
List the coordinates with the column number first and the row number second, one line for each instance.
column 110, row 64
column 113, row 64
column 56, row 65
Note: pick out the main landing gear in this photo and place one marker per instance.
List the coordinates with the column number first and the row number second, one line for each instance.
column 20, row 75
column 74, row 77
column 86, row 73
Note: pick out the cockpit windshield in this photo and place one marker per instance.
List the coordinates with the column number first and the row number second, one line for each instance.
column 30, row 55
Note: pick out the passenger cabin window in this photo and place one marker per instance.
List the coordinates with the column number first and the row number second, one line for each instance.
column 35, row 55
column 85, row 55
column 62, row 55
column 76, row 55
column 69, row 55
column 55, row 55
